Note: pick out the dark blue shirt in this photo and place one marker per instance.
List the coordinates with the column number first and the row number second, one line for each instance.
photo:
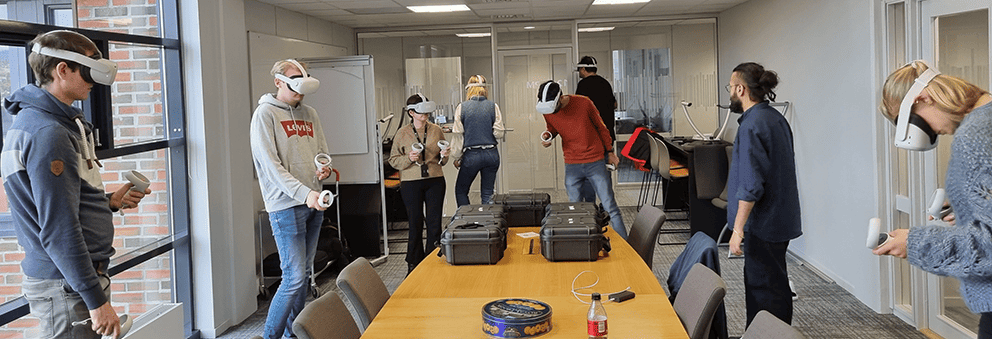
column 763, row 170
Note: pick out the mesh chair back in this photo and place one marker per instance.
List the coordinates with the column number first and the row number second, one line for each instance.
column 326, row 318
column 645, row 230
column 701, row 293
column 766, row 325
column 364, row 290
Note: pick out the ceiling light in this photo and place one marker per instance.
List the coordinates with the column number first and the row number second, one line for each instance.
column 438, row 9
column 618, row 2
column 595, row 29
column 528, row 27
column 473, row 35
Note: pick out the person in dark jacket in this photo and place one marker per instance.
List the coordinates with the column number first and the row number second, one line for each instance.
column 478, row 124
column 601, row 93
column 762, row 192
column 62, row 215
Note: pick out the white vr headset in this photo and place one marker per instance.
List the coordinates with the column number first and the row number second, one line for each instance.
column 548, row 107
column 422, row 107
column 303, row 84
column 100, row 71
column 912, row 132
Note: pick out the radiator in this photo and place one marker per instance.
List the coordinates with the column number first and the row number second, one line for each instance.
column 164, row 321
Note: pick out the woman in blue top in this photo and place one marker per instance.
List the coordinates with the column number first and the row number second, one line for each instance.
column 950, row 105
column 478, row 124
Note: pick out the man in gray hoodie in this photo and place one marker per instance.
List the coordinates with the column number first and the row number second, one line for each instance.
column 62, row 215
column 285, row 137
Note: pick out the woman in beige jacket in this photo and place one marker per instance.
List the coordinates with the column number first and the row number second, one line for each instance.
column 416, row 154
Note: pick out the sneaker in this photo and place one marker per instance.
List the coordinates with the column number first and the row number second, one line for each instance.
column 793, row 290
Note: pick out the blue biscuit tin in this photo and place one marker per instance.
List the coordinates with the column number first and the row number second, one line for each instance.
column 516, row 318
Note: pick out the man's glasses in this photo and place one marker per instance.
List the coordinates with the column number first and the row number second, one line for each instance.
column 730, row 87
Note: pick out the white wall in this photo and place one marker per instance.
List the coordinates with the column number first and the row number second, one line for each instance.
column 823, row 53
column 218, row 110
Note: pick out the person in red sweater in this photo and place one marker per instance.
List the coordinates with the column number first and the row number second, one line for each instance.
column 586, row 144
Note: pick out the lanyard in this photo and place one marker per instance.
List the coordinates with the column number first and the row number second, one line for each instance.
column 423, row 167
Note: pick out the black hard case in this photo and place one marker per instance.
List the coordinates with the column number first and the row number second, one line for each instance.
column 523, row 209
column 573, row 209
column 495, row 211
column 576, row 238
column 469, row 243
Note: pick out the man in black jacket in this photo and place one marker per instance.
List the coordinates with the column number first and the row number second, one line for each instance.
column 601, row 93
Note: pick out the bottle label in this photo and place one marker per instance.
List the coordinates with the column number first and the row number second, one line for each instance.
column 596, row 328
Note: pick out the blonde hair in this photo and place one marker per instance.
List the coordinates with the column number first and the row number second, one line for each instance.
column 281, row 66
column 950, row 94
column 478, row 90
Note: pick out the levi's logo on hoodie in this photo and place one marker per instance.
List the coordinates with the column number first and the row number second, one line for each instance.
column 298, row 127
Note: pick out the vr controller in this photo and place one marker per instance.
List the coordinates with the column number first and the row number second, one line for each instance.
column 126, row 324
column 443, row 145
column 937, row 210
column 140, row 183
column 546, row 136
column 417, row 147
column 875, row 238
column 325, row 199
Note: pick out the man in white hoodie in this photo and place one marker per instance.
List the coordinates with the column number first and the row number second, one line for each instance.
column 285, row 137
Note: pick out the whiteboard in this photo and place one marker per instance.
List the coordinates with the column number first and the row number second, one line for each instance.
column 340, row 102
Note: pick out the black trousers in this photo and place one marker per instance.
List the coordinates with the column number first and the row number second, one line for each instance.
column 420, row 196
column 985, row 326
column 766, row 281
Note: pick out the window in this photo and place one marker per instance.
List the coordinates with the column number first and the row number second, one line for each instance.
column 140, row 126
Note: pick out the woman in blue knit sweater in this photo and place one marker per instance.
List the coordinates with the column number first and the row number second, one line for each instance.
column 950, row 105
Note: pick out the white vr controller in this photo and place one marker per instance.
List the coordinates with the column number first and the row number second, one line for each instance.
column 322, row 160
column 126, row 324
column 443, row 145
column 937, row 210
column 546, row 136
column 325, row 199
column 140, row 183
column 875, row 238
column 417, row 147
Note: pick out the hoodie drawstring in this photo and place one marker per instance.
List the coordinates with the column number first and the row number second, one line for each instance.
column 88, row 150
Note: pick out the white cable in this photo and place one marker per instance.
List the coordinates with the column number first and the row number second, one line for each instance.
column 576, row 294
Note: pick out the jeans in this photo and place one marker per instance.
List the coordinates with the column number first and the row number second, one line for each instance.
column 419, row 196
column 296, row 230
column 599, row 177
column 475, row 161
column 985, row 326
column 766, row 279
column 587, row 193
column 56, row 306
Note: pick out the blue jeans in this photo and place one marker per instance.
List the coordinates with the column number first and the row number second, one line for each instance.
column 599, row 177
column 587, row 193
column 475, row 161
column 296, row 230
column 57, row 306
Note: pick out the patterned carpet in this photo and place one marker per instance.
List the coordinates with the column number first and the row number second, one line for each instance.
column 824, row 309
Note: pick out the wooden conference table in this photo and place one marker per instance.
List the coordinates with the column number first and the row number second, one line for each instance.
column 439, row 300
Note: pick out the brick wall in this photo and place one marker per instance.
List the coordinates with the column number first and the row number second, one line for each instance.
column 138, row 116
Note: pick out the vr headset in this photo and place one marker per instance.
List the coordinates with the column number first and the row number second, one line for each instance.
column 481, row 83
column 912, row 132
column 302, row 84
column 547, row 105
column 99, row 71
column 422, row 107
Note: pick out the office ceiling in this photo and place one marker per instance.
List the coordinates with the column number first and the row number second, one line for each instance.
column 393, row 13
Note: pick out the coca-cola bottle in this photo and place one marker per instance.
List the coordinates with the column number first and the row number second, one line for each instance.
column 596, row 319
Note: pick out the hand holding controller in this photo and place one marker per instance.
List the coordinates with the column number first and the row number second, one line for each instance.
column 937, row 210
column 325, row 199
column 322, row 161
column 140, row 184
column 444, row 145
column 875, row 238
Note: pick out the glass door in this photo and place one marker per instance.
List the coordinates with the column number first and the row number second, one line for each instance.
column 956, row 41
column 525, row 164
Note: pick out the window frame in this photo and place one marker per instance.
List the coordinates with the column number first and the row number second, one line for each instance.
column 15, row 33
